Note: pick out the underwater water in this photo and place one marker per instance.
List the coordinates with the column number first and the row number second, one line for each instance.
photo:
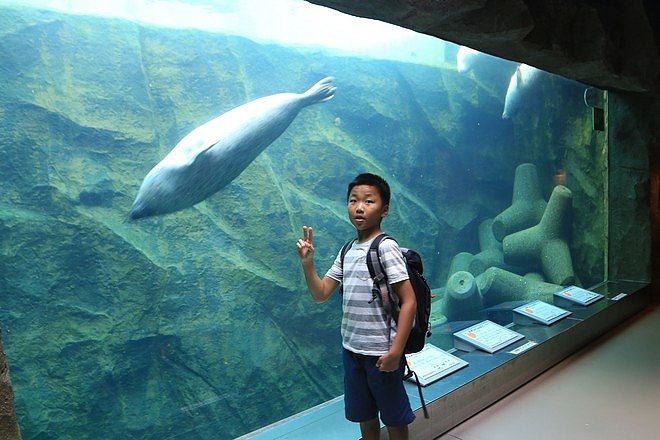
column 197, row 324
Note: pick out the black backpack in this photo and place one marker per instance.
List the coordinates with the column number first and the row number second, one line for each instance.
column 421, row 326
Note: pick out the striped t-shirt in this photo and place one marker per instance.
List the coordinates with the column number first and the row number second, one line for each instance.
column 365, row 326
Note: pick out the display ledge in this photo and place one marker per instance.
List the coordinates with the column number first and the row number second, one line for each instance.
column 488, row 377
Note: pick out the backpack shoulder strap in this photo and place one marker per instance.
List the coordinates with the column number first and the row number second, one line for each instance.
column 377, row 271
column 342, row 254
column 345, row 249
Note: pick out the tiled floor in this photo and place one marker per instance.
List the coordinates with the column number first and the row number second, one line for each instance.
column 610, row 390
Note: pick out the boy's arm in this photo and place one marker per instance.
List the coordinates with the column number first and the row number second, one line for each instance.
column 408, row 303
column 320, row 288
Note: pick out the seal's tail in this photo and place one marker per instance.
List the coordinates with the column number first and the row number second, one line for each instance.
column 321, row 91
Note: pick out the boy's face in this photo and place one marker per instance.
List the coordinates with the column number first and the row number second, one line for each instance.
column 365, row 208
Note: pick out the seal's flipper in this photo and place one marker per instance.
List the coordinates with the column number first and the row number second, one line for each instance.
column 322, row 91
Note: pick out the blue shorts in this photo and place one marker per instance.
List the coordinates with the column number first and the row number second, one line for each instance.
column 368, row 391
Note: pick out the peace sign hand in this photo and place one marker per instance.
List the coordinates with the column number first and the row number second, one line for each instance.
column 305, row 245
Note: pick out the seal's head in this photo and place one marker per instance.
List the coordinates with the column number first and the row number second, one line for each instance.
column 139, row 210
column 156, row 195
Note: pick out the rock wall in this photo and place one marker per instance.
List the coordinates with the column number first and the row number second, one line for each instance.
column 8, row 424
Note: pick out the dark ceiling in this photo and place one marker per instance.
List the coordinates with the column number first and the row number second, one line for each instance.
column 609, row 44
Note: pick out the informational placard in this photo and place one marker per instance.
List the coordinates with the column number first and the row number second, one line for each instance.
column 486, row 336
column 432, row 364
column 578, row 295
column 538, row 312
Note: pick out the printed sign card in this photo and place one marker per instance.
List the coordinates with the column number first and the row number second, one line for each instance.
column 577, row 295
column 538, row 311
column 486, row 336
column 432, row 364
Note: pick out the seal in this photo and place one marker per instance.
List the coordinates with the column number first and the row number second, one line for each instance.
column 212, row 155
column 466, row 58
column 521, row 84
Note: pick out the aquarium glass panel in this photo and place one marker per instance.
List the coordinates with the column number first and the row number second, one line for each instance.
column 150, row 285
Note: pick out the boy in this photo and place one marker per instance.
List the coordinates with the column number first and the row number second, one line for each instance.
column 373, row 343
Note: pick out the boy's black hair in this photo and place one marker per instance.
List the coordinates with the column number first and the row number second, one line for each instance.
column 373, row 180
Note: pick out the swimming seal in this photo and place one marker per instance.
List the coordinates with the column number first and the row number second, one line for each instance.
column 215, row 153
column 522, row 83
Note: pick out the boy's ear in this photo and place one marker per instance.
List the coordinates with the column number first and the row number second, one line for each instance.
column 386, row 210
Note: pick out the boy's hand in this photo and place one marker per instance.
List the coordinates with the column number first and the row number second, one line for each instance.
column 305, row 244
column 388, row 362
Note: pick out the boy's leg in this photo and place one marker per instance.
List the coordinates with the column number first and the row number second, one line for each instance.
column 391, row 397
column 370, row 429
column 397, row 432
column 387, row 388
column 359, row 403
